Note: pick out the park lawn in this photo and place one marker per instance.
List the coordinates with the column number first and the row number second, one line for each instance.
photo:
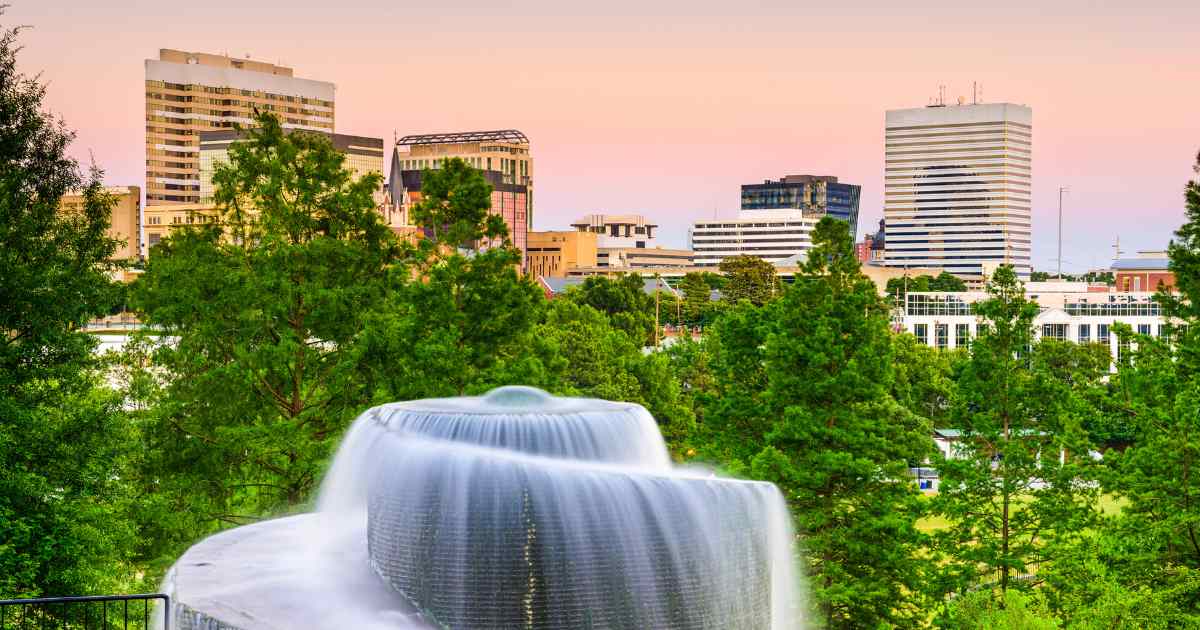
column 1109, row 505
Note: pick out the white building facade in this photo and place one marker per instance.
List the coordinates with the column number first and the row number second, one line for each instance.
column 957, row 187
column 1068, row 311
column 772, row 235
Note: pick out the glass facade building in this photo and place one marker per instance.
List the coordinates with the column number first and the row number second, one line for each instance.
column 814, row 195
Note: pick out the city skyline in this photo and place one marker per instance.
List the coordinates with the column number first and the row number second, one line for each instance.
column 667, row 110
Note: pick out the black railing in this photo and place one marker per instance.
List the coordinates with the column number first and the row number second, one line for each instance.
column 101, row 612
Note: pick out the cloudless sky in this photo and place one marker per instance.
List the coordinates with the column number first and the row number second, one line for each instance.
column 666, row 108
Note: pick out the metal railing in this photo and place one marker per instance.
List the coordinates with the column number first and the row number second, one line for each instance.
column 101, row 612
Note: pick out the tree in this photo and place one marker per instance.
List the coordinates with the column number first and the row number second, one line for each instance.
column 624, row 300
column 455, row 206
column 898, row 288
column 64, row 443
column 265, row 306
column 699, row 309
column 1005, row 489
column 924, row 379
column 946, row 282
column 840, row 446
column 749, row 278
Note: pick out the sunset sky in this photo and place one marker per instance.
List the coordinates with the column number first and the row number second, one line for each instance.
column 665, row 108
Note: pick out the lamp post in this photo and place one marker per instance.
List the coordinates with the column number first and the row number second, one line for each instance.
column 1061, row 190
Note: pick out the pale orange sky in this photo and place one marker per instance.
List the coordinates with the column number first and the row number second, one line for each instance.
column 665, row 108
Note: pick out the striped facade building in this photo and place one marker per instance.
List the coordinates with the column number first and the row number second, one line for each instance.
column 773, row 235
column 190, row 93
column 957, row 186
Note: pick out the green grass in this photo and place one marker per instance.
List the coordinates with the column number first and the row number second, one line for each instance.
column 1108, row 505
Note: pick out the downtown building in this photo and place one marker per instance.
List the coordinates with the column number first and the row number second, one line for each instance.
column 503, row 156
column 773, row 235
column 957, row 186
column 363, row 156
column 813, row 195
column 191, row 93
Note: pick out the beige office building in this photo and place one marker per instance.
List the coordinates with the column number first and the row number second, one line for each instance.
column 957, row 186
column 189, row 93
column 363, row 156
column 553, row 254
column 126, row 216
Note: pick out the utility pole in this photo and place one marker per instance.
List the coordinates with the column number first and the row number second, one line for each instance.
column 1061, row 190
column 657, row 294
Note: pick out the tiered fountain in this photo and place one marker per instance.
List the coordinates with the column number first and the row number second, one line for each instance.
column 512, row 510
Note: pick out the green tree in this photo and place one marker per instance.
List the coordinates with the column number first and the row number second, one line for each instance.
column 898, row 288
column 455, row 206
column 840, row 446
column 947, row 282
column 984, row 610
column 264, row 307
column 1005, row 490
column 623, row 299
column 699, row 309
column 64, row 443
column 749, row 278
column 924, row 379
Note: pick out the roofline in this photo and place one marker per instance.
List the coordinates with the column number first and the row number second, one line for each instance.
column 499, row 135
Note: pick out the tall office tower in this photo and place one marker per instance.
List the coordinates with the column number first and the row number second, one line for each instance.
column 502, row 155
column 814, row 195
column 189, row 93
column 957, row 184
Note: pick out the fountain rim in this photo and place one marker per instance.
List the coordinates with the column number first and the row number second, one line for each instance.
column 510, row 400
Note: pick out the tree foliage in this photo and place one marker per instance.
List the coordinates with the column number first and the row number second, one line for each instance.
column 749, row 278
column 263, row 308
column 64, row 445
column 455, row 206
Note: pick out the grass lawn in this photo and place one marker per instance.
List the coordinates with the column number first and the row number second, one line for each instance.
column 1108, row 505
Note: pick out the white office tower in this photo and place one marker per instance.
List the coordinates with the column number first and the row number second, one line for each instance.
column 957, row 184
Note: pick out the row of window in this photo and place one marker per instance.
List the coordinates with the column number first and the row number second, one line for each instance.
column 206, row 89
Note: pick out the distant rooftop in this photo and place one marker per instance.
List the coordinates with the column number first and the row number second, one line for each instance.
column 500, row 135
column 1141, row 264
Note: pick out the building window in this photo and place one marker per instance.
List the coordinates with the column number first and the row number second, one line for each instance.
column 1143, row 329
column 1102, row 333
column 1054, row 331
column 962, row 335
column 1085, row 333
column 942, row 333
column 921, row 332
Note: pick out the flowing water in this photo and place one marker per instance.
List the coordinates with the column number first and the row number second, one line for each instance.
column 512, row 510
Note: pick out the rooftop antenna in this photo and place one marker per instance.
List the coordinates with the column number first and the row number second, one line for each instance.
column 974, row 93
column 1117, row 248
column 1061, row 190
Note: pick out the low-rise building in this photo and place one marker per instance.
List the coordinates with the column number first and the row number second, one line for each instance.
column 553, row 254
column 1146, row 271
column 1070, row 311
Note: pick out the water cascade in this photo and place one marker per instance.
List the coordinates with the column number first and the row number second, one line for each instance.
column 516, row 509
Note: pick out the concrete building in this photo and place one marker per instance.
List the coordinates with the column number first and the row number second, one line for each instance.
column 772, row 235
column 628, row 241
column 363, row 155
column 503, row 156
column 553, row 254
column 1071, row 311
column 957, row 185
column 1144, row 272
column 618, row 230
column 158, row 221
column 126, row 218
column 188, row 93
column 813, row 195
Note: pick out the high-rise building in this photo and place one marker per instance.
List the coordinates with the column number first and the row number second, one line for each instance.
column 814, row 195
column 189, row 93
column 502, row 155
column 363, row 155
column 957, row 185
column 125, row 218
column 772, row 235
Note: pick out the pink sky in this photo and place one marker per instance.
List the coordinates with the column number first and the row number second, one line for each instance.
column 665, row 108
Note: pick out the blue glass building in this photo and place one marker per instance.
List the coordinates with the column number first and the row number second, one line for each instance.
column 813, row 194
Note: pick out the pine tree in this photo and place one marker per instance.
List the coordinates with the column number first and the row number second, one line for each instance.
column 840, row 446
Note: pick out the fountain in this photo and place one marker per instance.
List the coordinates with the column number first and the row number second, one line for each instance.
column 516, row 509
